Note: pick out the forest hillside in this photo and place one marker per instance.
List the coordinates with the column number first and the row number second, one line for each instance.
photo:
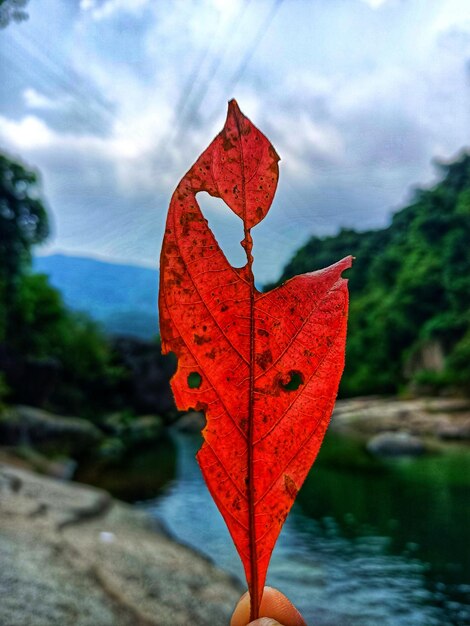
column 410, row 291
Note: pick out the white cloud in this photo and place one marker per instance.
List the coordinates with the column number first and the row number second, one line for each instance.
column 27, row 134
column 355, row 112
column 376, row 4
column 302, row 141
column 134, row 152
column 108, row 8
column 86, row 5
column 35, row 100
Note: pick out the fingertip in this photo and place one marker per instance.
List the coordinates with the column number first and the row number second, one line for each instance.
column 274, row 605
column 241, row 614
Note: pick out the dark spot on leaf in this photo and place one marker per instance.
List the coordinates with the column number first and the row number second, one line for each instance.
column 199, row 340
column 194, row 380
column 262, row 333
column 227, row 144
column 290, row 486
column 264, row 359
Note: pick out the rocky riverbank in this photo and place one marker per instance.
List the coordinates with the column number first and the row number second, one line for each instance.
column 56, row 444
column 392, row 426
column 411, row 425
column 72, row 555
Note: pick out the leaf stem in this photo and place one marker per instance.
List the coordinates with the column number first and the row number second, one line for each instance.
column 254, row 599
column 247, row 244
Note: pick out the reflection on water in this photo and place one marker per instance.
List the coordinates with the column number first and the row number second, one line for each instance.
column 367, row 543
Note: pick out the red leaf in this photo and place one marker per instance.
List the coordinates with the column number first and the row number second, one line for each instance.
column 265, row 367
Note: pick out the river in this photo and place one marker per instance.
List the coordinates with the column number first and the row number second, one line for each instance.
column 367, row 542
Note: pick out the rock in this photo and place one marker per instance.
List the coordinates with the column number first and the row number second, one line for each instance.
column 27, row 458
column 429, row 357
column 72, row 555
column 396, row 444
column 192, row 422
column 435, row 418
column 457, row 430
column 28, row 426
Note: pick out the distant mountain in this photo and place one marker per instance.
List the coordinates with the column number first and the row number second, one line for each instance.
column 123, row 298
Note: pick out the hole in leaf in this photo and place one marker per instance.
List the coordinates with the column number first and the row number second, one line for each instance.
column 294, row 380
column 226, row 227
column 194, row 380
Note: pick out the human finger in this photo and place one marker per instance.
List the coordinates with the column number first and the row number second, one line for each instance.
column 274, row 605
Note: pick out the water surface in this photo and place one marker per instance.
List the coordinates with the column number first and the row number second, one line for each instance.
column 367, row 543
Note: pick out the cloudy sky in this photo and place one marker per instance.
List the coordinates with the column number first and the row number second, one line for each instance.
column 113, row 100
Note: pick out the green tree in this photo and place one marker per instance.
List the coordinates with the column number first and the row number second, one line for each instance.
column 12, row 10
column 23, row 223
column 23, row 217
column 34, row 321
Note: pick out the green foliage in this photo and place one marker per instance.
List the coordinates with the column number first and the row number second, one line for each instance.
column 12, row 11
column 129, row 432
column 410, row 285
column 89, row 373
column 42, row 327
column 459, row 361
column 4, row 391
column 23, row 218
column 34, row 322
column 37, row 316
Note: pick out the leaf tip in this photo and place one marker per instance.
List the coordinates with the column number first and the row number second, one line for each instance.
column 234, row 111
column 343, row 265
column 233, row 105
column 348, row 261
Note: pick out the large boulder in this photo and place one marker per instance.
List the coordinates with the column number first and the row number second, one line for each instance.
column 29, row 426
column 70, row 554
column 435, row 418
column 395, row 444
column 191, row 422
column 458, row 430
